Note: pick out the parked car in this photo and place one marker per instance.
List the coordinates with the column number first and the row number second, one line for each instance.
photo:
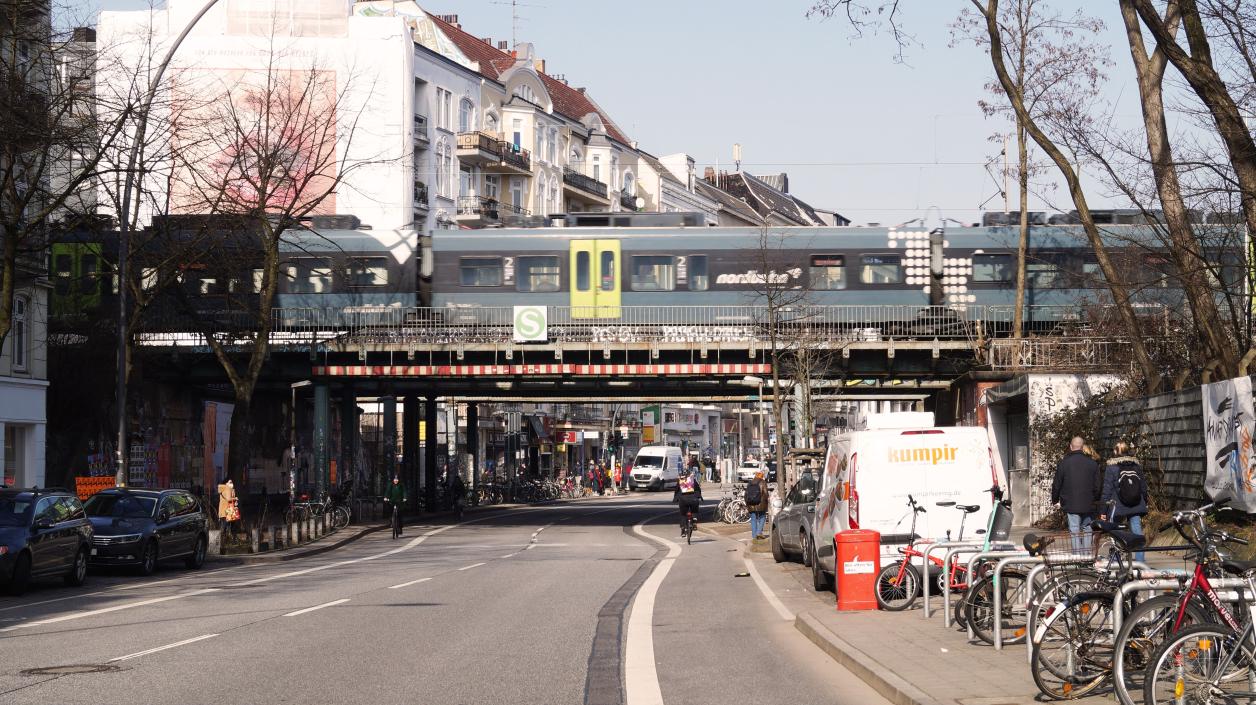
column 43, row 533
column 142, row 527
column 791, row 527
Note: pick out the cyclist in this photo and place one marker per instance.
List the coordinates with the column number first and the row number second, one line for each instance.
column 688, row 496
column 458, row 492
column 395, row 496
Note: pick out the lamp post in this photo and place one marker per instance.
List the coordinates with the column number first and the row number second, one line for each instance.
column 124, row 241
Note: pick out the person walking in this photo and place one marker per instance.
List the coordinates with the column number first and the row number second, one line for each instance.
column 1077, row 489
column 458, row 493
column 228, row 506
column 1125, row 492
column 756, row 497
column 395, row 499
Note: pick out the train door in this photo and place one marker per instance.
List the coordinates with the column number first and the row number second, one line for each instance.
column 595, row 279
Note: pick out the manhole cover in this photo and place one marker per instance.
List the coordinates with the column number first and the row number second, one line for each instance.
column 71, row 670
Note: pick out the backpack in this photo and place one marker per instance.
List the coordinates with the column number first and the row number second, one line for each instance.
column 686, row 484
column 1129, row 485
column 754, row 494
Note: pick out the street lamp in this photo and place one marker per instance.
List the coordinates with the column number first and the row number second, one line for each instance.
column 753, row 381
column 124, row 240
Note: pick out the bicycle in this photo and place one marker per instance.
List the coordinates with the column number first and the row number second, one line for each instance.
column 898, row 584
column 691, row 525
column 396, row 521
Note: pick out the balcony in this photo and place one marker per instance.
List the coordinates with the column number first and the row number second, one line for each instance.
column 493, row 155
column 421, row 136
column 478, row 211
column 420, row 196
column 584, row 190
column 627, row 201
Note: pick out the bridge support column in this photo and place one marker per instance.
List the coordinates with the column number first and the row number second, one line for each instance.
column 347, row 469
column 410, row 445
column 322, row 431
column 429, row 453
column 473, row 442
column 389, row 405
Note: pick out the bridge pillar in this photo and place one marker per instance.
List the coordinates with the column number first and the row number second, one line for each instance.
column 322, row 423
column 389, row 405
column 347, row 468
column 473, row 442
column 429, row 453
column 410, row 445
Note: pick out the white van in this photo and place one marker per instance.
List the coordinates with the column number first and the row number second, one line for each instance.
column 869, row 474
column 656, row 468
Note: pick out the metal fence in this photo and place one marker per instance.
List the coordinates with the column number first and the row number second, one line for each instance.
column 1058, row 353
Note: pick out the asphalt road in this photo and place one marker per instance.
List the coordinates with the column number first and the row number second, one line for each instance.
column 591, row 602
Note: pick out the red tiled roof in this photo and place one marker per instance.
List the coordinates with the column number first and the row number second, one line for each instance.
column 493, row 62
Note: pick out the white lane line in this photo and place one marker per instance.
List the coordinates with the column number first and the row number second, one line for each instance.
column 317, row 607
column 118, row 588
column 641, row 676
column 469, row 567
column 511, row 555
column 146, row 652
column 412, row 582
column 106, row 610
column 767, row 592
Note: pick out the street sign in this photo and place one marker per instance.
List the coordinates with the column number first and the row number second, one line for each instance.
column 531, row 324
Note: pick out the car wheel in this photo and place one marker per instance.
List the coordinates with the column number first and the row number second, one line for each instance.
column 778, row 551
column 148, row 559
column 819, row 580
column 78, row 571
column 197, row 559
column 805, row 541
column 21, row 577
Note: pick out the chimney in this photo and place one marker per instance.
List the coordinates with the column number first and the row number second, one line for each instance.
column 85, row 35
column 503, row 45
column 487, row 40
column 708, row 175
column 539, row 65
column 450, row 19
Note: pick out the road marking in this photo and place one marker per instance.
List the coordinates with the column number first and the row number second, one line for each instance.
column 317, row 607
column 469, row 567
column 146, row 652
column 106, row 610
column 767, row 592
column 412, row 582
column 641, row 676
column 511, row 555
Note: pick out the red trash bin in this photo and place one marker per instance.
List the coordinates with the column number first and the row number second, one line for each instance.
column 857, row 563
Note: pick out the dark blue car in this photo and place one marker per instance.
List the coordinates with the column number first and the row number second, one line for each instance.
column 43, row 533
column 137, row 527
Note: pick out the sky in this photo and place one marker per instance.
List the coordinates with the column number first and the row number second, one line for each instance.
column 875, row 140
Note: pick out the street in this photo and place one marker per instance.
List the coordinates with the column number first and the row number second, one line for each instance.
column 580, row 602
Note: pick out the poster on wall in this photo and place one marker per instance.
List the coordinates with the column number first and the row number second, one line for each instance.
column 216, row 434
column 1229, row 424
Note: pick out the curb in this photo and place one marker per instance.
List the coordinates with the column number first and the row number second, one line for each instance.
column 279, row 556
column 889, row 684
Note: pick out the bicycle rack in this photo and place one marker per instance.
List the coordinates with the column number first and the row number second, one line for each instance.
column 972, row 566
column 998, row 595
column 952, row 553
column 928, row 552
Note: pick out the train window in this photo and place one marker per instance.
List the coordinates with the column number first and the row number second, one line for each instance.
column 608, row 271
column 582, row 271
column 150, row 277
column 537, row 273
column 1157, row 268
column 653, row 273
column 828, row 272
column 993, row 268
column 89, row 283
column 480, row 271
column 207, row 285
column 881, row 269
column 258, row 278
column 1042, row 275
column 310, row 276
column 1091, row 272
column 368, row 271
column 699, row 280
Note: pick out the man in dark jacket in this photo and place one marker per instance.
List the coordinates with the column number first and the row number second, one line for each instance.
column 395, row 499
column 1112, row 506
column 1077, row 489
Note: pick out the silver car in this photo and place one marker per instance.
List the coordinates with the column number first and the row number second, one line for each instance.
column 791, row 528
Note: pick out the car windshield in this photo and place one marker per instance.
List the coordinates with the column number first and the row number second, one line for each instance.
column 14, row 511
column 120, row 506
column 649, row 461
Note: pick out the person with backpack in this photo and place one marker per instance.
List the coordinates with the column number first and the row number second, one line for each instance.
column 1125, row 491
column 756, row 498
column 688, row 497
column 1077, row 488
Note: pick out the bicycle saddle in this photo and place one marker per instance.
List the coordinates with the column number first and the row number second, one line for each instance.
column 1234, row 567
column 945, row 504
column 968, row 508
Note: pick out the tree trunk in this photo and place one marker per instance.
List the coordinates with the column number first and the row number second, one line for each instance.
column 1022, row 248
column 238, row 456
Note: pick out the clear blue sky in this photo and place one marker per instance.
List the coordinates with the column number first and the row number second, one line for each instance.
column 857, row 133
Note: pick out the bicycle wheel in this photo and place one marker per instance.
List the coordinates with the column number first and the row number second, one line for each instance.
column 1074, row 655
column 740, row 513
column 979, row 607
column 898, row 586
column 339, row 517
column 1201, row 664
column 1054, row 590
column 1145, row 628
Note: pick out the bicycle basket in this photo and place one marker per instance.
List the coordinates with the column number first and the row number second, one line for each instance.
column 1063, row 551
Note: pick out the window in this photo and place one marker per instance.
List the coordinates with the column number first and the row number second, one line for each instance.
column 653, row 273
column 516, row 191
column 464, row 182
column 492, row 186
column 538, row 141
column 490, row 124
column 442, row 167
column 597, row 167
column 553, row 195
column 699, row 280
column 537, row 274
column 310, row 276
column 1091, row 271
column 881, row 269
column 828, row 272
column 551, row 146
column 608, row 271
column 1041, row 275
column 582, row 271
column 21, row 331
column 46, row 508
column 614, row 172
column 466, row 116
column 368, row 271
column 480, row 271
column 993, row 268
column 630, row 184
column 516, row 128
column 539, row 196
column 444, row 109
column 575, row 159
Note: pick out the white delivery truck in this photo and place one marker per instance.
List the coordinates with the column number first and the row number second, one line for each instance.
column 868, row 475
column 656, row 468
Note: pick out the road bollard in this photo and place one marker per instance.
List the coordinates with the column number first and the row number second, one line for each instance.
column 255, row 540
column 309, row 529
column 272, row 538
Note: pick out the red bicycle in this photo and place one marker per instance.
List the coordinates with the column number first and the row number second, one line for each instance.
column 898, row 583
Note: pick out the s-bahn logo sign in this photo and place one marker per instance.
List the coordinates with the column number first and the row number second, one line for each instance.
column 531, row 324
